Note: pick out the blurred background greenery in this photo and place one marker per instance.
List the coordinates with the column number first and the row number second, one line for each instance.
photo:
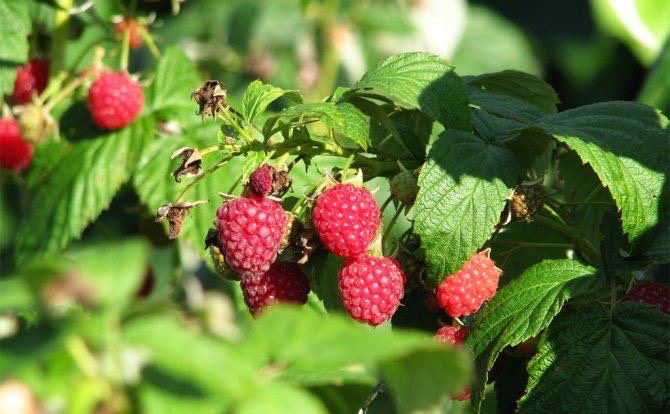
column 589, row 51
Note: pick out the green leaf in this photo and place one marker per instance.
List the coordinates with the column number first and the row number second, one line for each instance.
column 114, row 270
column 281, row 398
column 252, row 161
column 259, row 95
column 586, row 198
column 15, row 23
column 523, row 308
column 492, row 43
column 424, row 381
column 521, row 85
column 601, row 360
column 344, row 118
column 156, row 186
column 620, row 141
column 656, row 88
column 422, row 81
column 16, row 295
column 215, row 368
column 79, row 187
column 463, row 187
column 316, row 349
column 170, row 92
column 520, row 245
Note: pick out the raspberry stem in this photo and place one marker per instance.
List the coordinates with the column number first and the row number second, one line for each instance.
column 389, row 227
column 125, row 50
column 210, row 170
column 575, row 235
column 61, row 33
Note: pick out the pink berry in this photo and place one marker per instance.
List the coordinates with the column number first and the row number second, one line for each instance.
column 464, row 292
column 371, row 288
column 15, row 153
column 346, row 218
column 260, row 181
column 250, row 232
column 115, row 100
column 652, row 293
column 281, row 283
column 30, row 79
column 453, row 336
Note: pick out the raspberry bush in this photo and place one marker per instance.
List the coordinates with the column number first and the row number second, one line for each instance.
column 260, row 223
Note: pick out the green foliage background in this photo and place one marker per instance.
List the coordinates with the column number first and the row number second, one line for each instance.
column 476, row 112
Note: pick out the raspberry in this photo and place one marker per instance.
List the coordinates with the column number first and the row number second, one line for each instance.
column 404, row 188
column 30, row 79
column 115, row 100
column 371, row 288
column 451, row 335
column 134, row 37
column 464, row 292
column 260, row 181
column 15, row 153
column 250, row 232
column 526, row 201
column 346, row 218
column 652, row 293
column 282, row 283
column 35, row 123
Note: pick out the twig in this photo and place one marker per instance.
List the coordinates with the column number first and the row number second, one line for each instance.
column 379, row 388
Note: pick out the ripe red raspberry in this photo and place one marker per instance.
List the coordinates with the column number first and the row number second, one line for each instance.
column 134, row 37
column 652, row 293
column 451, row 335
column 371, row 288
column 15, row 153
column 30, row 79
column 346, row 218
column 260, row 181
column 282, row 283
column 115, row 100
column 250, row 232
column 464, row 292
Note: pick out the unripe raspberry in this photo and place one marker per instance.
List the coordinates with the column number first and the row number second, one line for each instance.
column 281, row 283
column 250, row 232
column 453, row 336
column 404, row 187
column 526, row 201
column 464, row 292
column 35, row 123
column 30, row 79
column 260, row 181
column 346, row 218
column 652, row 293
column 115, row 100
column 15, row 153
column 371, row 288
column 134, row 37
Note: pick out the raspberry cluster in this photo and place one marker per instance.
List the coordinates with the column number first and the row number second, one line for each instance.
column 248, row 237
column 464, row 292
column 347, row 218
column 453, row 336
